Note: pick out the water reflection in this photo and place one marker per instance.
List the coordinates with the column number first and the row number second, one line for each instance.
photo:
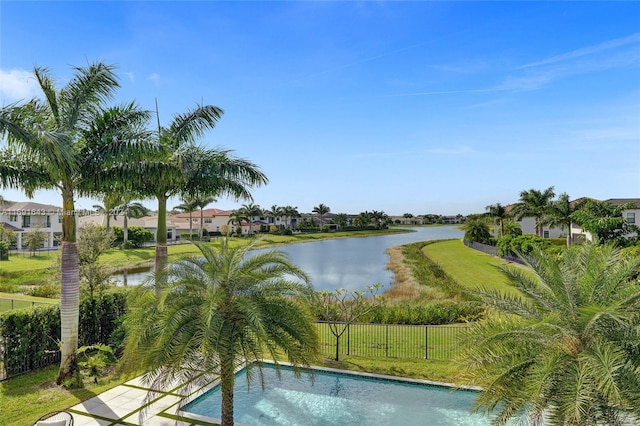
column 350, row 263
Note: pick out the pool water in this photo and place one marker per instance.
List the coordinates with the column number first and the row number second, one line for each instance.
column 340, row 399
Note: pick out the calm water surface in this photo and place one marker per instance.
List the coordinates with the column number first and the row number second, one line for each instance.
column 349, row 263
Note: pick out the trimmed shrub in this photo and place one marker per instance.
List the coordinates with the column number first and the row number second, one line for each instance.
column 438, row 313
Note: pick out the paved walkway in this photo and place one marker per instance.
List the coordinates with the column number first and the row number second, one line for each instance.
column 124, row 404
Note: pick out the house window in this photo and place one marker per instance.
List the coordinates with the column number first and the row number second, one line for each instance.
column 59, row 218
column 631, row 217
column 546, row 234
column 26, row 221
column 13, row 218
column 48, row 221
column 208, row 220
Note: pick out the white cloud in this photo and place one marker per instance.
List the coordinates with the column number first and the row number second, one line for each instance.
column 16, row 85
column 459, row 150
column 155, row 78
column 131, row 76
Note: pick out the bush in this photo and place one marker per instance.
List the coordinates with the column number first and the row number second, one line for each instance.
column 46, row 290
column 512, row 245
column 189, row 237
column 137, row 235
column 4, row 250
column 420, row 313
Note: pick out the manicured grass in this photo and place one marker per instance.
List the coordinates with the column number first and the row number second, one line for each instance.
column 17, row 301
column 27, row 397
column 470, row 268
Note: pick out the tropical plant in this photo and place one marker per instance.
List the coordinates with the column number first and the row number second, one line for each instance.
column 34, row 239
column 274, row 212
column 321, row 210
column 379, row 218
column 560, row 213
column 605, row 222
column 290, row 213
column 188, row 206
column 250, row 212
column 219, row 311
column 236, row 218
column 93, row 241
column 179, row 166
column 201, row 202
column 534, row 203
column 567, row 351
column 109, row 203
column 127, row 209
column 70, row 142
column 499, row 213
column 341, row 219
column 476, row 229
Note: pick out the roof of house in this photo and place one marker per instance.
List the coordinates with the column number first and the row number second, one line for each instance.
column 205, row 213
column 10, row 227
column 620, row 201
column 28, row 206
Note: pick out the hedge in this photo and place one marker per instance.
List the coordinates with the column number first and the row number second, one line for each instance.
column 28, row 337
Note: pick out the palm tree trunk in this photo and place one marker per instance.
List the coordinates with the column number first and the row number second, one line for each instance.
column 125, row 230
column 201, row 223
column 227, row 379
column 161, row 242
column 70, row 291
column 190, row 224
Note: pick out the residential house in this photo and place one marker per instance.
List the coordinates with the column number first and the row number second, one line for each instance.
column 23, row 217
column 175, row 226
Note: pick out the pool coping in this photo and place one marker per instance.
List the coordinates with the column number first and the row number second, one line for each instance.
column 177, row 411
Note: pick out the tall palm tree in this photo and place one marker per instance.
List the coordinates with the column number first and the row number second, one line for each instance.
column 180, row 166
column 534, row 203
column 237, row 217
column 290, row 213
column 321, row 210
column 566, row 352
column 219, row 311
column 250, row 212
column 129, row 209
column 560, row 211
column 109, row 202
column 202, row 202
column 499, row 213
column 69, row 141
column 188, row 205
column 274, row 212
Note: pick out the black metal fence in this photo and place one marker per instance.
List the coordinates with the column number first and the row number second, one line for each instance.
column 440, row 342
column 490, row 250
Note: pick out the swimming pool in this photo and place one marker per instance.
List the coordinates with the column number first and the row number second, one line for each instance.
column 336, row 398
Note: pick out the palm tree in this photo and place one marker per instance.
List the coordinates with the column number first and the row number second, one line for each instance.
column 109, row 202
column 566, row 352
column 69, row 142
column 188, row 205
column 202, row 202
column 250, row 212
column 219, row 311
column 321, row 210
column 341, row 220
column 379, row 217
column 476, row 229
column 534, row 203
column 408, row 216
column 181, row 167
column 237, row 217
column 274, row 212
column 499, row 213
column 129, row 209
column 290, row 212
column 560, row 211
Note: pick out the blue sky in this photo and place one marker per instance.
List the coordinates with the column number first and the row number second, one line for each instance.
column 422, row 107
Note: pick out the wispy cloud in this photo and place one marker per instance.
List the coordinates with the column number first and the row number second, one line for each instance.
column 586, row 51
column 455, row 150
column 154, row 78
column 131, row 76
column 17, row 85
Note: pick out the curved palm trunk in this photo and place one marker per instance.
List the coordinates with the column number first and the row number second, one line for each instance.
column 70, row 292
column 125, row 229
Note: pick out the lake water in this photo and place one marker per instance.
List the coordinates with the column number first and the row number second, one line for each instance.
column 349, row 263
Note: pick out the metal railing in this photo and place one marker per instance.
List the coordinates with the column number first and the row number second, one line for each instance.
column 7, row 303
column 441, row 342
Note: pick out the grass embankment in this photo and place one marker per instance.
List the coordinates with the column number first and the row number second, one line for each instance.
column 27, row 397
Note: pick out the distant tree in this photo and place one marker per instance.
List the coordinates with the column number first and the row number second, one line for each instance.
column 534, row 203
column 321, row 210
column 605, row 222
column 7, row 235
column 340, row 308
column 379, row 218
column 341, row 220
column 188, row 205
column 476, row 229
column 560, row 213
column 34, row 239
column 499, row 213
column 202, row 202
column 109, row 202
column 128, row 209
column 237, row 217
column 250, row 212
column 290, row 213
column 408, row 216
column 511, row 227
column 93, row 241
column 274, row 212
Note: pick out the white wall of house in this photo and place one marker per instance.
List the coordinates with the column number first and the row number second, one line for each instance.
column 26, row 216
column 528, row 226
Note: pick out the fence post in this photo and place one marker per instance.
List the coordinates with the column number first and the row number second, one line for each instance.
column 426, row 342
column 386, row 341
column 348, row 339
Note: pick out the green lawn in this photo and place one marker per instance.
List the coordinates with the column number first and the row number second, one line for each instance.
column 17, row 301
column 468, row 267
